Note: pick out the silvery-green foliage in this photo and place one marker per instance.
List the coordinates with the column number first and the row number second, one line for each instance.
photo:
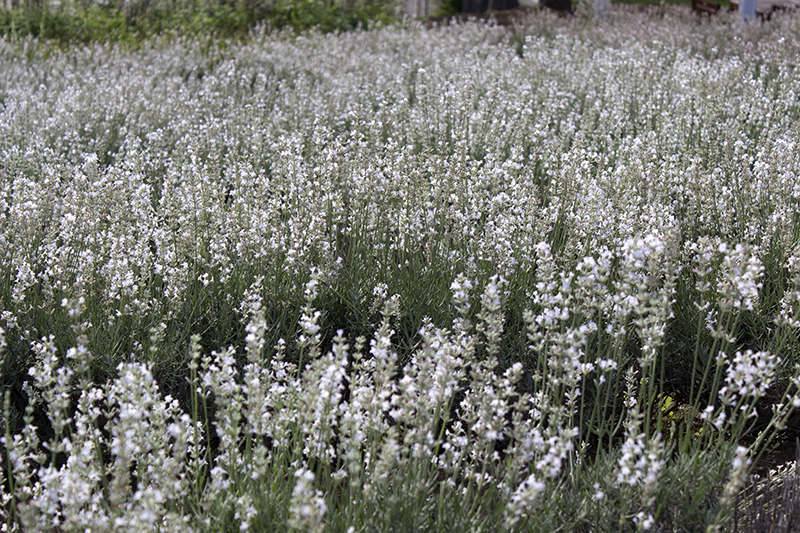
column 125, row 473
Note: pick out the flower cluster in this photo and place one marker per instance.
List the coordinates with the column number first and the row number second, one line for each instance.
column 749, row 375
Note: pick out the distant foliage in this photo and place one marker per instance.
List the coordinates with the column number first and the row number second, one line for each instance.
column 74, row 21
column 332, row 15
column 448, row 7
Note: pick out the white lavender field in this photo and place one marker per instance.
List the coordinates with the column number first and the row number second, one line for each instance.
column 462, row 279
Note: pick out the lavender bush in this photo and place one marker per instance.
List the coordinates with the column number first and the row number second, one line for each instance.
column 467, row 278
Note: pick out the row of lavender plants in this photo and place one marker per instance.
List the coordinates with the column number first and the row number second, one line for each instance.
column 402, row 279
